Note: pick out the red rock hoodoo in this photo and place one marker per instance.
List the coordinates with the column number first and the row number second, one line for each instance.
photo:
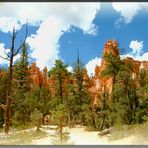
column 103, row 83
column 37, row 77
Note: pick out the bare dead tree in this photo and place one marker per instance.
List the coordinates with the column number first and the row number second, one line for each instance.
column 10, row 57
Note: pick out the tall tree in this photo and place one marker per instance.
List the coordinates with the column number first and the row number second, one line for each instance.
column 58, row 74
column 81, row 95
column 141, row 113
column 21, row 84
column 3, row 92
column 10, row 57
column 124, row 98
column 104, row 107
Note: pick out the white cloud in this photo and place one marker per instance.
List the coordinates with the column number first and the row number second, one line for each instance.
column 45, row 42
column 78, row 14
column 18, row 56
column 118, row 22
column 136, row 53
column 129, row 10
column 90, row 66
column 53, row 18
column 34, row 12
column 126, row 55
column 7, row 24
column 69, row 68
column 143, row 57
column 93, row 30
column 137, row 47
column 2, row 53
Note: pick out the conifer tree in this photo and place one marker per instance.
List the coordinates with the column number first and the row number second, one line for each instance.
column 21, row 85
column 104, row 110
column 124, row 98
column 3, row 92
column 58, row 73
column 82, row 99
column 141, row 113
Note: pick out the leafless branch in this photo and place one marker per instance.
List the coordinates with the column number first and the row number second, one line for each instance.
column 6, row 54
column 14, row 33
column 22, row 43
column 4, row 58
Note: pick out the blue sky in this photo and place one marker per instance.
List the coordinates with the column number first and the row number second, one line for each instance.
column 59, row 30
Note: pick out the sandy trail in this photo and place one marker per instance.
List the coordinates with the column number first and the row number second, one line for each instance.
column 78, row 136
column 81, row 137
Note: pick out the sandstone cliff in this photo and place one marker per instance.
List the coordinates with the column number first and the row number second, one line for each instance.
column 100, row 84
column 37, row 77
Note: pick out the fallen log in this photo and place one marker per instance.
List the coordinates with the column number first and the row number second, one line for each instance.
column 105, row 132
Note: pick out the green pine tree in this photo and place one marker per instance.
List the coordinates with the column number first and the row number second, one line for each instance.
column 21, row 86
column 3, row 92
column 81, row 94
column 58, row 73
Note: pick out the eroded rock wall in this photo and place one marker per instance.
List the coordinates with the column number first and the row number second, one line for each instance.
column 100, row 83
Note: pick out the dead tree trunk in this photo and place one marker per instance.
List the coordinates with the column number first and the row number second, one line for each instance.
column 102, row 123
column 8, row 99
column 39, row 124
column 13, row 52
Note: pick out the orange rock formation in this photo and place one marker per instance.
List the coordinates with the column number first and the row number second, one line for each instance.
column 97, row 84
column 37, row 77
column 100, row 84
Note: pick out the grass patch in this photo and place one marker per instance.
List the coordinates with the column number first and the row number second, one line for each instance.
column 22, row 138
column 1, row 130
column 22, row 127
column 90, row 129
column 139, row 130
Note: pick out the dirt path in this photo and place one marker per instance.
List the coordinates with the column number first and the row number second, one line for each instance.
column 78, row 136
column 81, row 137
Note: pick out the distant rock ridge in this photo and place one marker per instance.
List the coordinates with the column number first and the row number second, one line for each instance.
column 96, row 84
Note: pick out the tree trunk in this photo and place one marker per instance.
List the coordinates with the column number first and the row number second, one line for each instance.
column 61, row 91
column 13, row 52
column 4, row 113
column 129, row 109
column 93, row 118
column 102, row 124
column 8, row 99
column 69, row 118
column 61, row 134
column 23, row 118
column 39, row 124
